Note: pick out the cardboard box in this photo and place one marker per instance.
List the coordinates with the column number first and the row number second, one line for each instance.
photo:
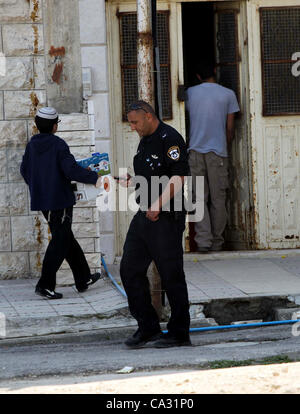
column 97, row 162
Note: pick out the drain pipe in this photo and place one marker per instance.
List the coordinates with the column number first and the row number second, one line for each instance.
column 210, row 328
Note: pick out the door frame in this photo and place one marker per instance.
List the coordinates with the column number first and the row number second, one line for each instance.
column 113, row 7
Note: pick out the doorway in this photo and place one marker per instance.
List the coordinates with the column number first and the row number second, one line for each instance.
column 216, row 31
column 198, row 37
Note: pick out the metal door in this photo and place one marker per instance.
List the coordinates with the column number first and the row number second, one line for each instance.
column 232, row 60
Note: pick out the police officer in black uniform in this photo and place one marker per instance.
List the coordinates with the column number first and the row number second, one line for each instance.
column 155, row 233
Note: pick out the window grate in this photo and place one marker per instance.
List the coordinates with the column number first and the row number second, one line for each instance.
column 227, row 50
column 280, row 34
column 128, row 39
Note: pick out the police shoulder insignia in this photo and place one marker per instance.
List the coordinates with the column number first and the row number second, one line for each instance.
column 174, row 153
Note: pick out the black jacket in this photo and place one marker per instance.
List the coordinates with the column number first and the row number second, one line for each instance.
column 48, row 168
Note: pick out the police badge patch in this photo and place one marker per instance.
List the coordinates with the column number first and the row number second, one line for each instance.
column 174, row 153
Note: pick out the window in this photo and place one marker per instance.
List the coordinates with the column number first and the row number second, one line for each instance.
column 128, row 39
column 280, row 34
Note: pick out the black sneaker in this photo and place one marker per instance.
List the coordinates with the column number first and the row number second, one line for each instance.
column 137, row 340
column 47, row 293
column 168, row 341
column 93, row 279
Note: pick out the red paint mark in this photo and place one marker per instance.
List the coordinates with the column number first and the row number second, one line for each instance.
column 57, row 51
column 57, row 73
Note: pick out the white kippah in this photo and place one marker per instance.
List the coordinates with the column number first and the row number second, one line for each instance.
column 47, row 113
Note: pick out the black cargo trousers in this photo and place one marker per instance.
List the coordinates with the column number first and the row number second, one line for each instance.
column 63, row 245
column 160, row 241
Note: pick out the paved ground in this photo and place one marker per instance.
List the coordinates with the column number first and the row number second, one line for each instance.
column 211, row 277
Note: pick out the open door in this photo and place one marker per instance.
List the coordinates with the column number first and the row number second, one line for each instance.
column 233, row 71
column 218, row 31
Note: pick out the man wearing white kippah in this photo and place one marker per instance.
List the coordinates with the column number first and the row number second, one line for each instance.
column 48, row 168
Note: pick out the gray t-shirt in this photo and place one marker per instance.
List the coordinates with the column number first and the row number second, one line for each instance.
column 208, row 105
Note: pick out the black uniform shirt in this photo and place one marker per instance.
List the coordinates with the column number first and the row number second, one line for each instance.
column 163, row 153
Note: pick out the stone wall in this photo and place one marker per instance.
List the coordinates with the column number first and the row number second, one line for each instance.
column 23, row 89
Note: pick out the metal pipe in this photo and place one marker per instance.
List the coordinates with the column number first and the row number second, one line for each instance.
column 145, row 51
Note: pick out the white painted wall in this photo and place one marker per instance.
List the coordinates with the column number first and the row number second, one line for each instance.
column 94, row 55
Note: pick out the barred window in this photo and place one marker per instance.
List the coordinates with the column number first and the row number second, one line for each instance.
column 128, row 39
column 280, row 34
column 227, row 50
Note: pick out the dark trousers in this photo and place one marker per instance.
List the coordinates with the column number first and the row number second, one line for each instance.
column 63, row 245
column 160, row 241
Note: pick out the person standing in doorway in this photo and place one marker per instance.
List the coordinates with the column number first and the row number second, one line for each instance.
column 211, row 108
column 48, row 168
column 155, row 233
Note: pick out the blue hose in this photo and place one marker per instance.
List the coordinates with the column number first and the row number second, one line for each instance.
column 241, row 325
column 210, row 328
column 112, row 279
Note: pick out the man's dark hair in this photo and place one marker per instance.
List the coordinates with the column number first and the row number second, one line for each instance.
column 141, row 105
column 205, row 69
column 45, row 125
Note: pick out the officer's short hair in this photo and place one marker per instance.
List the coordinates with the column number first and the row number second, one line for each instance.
column 141, row 105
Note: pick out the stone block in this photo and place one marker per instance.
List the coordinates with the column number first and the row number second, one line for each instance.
column 13, row 134
column 62, row 54
column 4, row 200
column 28, row 233
column 39, row 75
column 93, row 260
column 95, row 57
column 19, row 73
column 35, row 263
column 14, row 159
column 3, row 166
column 82, row 152
column 20, row 11
column 23, row 39
column 77, row 138
column 13, row 265
column 87, row 245
column 74, row 122
column 64, row 277
column 1, row 104
column 86, row 230
column 82, row 215
column 5, row 234
column 17, row 199
column 23, row 104
column 96, row 218
column 92, row 21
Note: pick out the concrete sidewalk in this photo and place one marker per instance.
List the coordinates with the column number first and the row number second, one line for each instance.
column 216, row 281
